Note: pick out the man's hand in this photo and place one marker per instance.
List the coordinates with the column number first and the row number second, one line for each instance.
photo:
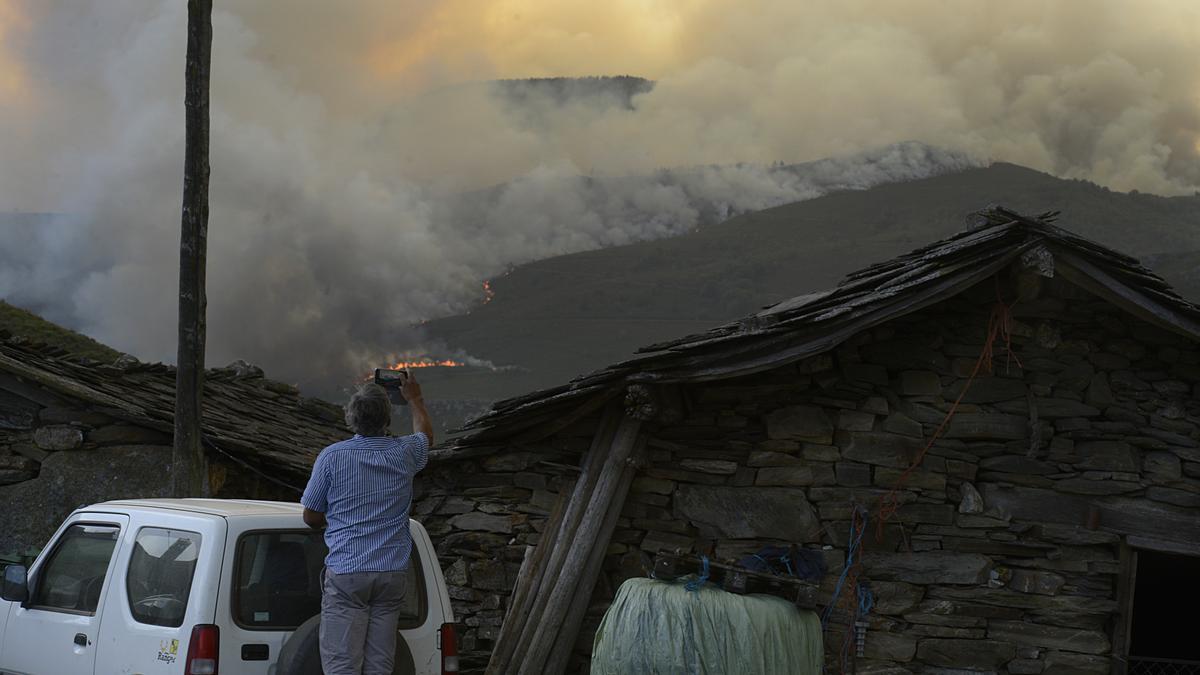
column 420, row 416
column 411, row 389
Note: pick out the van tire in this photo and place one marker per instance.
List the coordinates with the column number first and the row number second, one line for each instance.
column 301, row 653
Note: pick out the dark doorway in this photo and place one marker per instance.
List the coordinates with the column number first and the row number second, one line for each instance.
column 1166, row 598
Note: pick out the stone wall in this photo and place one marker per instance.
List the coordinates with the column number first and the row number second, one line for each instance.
column 481, row 515
column 1004, row 554
column 57, row 455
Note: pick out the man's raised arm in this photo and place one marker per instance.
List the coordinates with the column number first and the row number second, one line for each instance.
column 416, row 401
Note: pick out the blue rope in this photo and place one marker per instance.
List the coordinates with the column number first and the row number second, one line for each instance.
column 696, row 584
column 866, row 600
column 852, row 552
column 770, row 568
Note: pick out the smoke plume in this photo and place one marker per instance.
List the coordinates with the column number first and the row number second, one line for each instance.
column 368, row 173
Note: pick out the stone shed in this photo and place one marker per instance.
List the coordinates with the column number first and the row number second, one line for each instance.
column 1010, row 415
column 74, row 432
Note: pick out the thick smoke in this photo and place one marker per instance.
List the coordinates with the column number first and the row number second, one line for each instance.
column 362, row 182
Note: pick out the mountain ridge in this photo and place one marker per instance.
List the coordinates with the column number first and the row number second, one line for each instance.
column 560, row 317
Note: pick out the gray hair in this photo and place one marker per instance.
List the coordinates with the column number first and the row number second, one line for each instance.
column 369, row 412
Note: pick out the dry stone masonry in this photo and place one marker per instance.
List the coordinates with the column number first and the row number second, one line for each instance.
column 1004, row 554
column 75, row 432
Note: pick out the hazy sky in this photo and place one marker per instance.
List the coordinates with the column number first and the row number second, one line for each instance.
column 1089, row 88
column 341, row 130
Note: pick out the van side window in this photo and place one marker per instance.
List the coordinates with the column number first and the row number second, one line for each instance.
column 73, row 576
column 159, row 580
column 277, row 581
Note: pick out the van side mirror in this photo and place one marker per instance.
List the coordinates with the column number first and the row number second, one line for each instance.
column 16, row 584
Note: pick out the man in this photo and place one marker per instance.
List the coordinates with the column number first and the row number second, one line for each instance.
column 360, row 491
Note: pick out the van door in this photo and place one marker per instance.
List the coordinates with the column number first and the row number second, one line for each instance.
column 425, row 609
column 271, row 586
column 55, row 631
column 165, row 580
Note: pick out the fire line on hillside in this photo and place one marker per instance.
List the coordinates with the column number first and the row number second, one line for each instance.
column 426, row 363
column 464, row 364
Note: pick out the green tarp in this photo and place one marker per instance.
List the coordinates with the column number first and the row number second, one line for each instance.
column 658, row 627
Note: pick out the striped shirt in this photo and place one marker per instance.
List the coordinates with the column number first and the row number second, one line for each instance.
column 364, row 487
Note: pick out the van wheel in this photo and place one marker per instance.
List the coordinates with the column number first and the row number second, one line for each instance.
column 301, row 654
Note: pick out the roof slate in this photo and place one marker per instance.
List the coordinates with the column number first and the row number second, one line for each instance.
column 265, row 424
column 817, row 322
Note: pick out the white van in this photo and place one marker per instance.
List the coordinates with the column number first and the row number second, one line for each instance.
column 198, row 587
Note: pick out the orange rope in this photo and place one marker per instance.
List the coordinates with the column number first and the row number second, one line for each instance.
column 999, row 326
column 849, row 599
column 852, row 600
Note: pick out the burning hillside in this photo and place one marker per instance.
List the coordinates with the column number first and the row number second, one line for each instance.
column 437, row 366
column 426, row 363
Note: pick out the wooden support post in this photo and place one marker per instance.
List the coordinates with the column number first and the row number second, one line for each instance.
column 523, row 573
column 188, row 475
column 512, row 644
column 564, row 644
column 1126, row 582
column 579, row 549
column 529, row 579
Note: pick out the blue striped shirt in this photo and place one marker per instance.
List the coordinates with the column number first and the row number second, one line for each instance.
column 364, row 487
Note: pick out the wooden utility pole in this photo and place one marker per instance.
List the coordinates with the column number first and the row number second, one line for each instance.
column 188, row 475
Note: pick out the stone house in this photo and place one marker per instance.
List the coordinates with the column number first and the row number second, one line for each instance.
column 74, row 432
column 1013, row 410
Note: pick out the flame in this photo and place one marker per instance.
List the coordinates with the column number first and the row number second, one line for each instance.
column 488, row 293
column 417, row 362
column 425, row 362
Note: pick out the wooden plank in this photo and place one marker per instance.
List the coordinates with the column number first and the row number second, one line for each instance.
column 37, row 396
column 1190, row 548
column 1098, row 282
column 1125, row 588
column 561, row 545
column 561, row 650
column 557, row 602
column 1150, row 520
column 734, row 579
column 63, row 385
column 528, row 581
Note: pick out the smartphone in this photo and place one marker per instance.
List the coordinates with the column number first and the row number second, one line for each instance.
column 392, row 380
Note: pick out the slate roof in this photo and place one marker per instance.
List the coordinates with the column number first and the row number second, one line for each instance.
column 817, row 322
column 255, row 421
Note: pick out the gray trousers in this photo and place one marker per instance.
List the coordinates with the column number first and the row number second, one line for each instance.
column 359, row 613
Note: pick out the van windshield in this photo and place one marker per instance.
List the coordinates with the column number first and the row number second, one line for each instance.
column 278, row 580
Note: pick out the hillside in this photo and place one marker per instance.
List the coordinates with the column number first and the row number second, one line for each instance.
column 561, row 317
column 605, row 91
column 26, row 324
